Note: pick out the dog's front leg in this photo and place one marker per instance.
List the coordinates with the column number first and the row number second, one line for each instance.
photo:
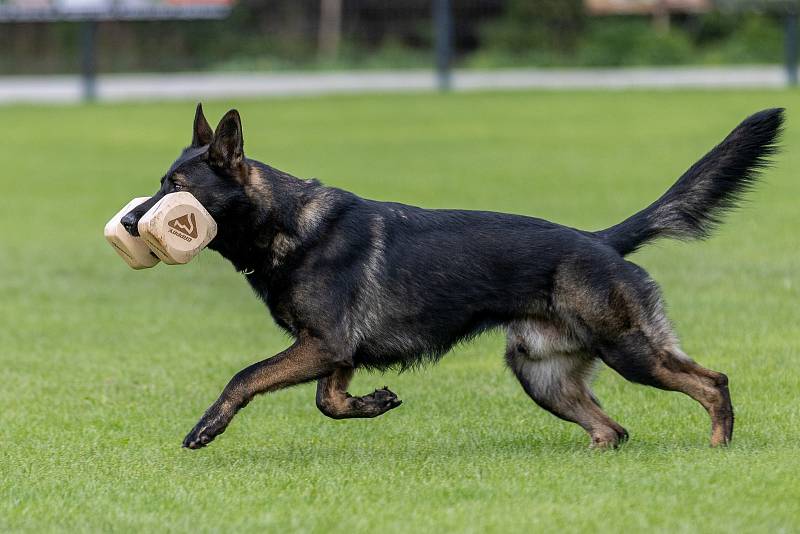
column 308, row 359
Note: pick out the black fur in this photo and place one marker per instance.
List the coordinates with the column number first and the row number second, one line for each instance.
column 695, row 204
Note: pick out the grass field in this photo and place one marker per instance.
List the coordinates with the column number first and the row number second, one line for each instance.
column 105, row 369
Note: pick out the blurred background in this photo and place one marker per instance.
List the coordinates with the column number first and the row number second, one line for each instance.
column 285, row 46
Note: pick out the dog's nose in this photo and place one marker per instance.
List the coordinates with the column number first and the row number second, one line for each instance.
column 129, row 222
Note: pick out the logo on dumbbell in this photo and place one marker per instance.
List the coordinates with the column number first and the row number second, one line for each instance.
column 186, row 227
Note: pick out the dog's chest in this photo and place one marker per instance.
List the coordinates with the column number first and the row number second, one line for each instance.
column 277, row 301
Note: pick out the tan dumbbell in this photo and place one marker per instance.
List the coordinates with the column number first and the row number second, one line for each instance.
column 132, row 249
column 177, row 228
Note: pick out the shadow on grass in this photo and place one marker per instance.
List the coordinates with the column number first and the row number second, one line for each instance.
column 442, row 450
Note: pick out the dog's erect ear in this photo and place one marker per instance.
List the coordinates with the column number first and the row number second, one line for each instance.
column 227, row 149
column 202, row 134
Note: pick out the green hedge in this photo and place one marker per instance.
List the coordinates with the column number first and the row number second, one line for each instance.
column 630, row 41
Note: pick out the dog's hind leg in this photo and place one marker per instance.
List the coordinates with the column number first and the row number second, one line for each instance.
column 670, row 369
column 334, row 401
column 621, row 312
column 308, row 359
column 559, row 384
column 558, row 380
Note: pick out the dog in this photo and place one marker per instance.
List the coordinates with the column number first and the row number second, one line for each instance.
column 359, row 283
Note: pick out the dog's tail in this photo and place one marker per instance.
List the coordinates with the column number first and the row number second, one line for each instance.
column 696, row 203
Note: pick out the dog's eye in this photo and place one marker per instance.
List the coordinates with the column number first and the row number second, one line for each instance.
column 177, row 187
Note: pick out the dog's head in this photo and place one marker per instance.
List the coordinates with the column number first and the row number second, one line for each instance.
column 213, row 169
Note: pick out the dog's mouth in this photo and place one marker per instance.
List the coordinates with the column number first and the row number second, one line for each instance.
column 131, row 220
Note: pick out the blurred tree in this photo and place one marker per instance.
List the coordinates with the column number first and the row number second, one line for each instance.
column 330, row 27
column 527, row 25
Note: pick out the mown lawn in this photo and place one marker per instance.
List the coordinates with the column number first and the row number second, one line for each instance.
column 105, row 369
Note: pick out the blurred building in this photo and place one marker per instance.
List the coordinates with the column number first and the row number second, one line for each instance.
column 660, row 10
column 647, row 7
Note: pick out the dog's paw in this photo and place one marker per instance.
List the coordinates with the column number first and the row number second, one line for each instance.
column 204, row 432
column 381, row 400
column 609, row 438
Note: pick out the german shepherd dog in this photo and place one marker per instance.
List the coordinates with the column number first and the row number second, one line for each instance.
column 359, row 283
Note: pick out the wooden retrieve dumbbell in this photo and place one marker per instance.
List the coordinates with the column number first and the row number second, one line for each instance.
column 132, row 249
column 177, row 228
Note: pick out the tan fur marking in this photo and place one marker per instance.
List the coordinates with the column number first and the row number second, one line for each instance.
column 332, row 396
column 180, row 179
column 678, row 372
column 282, row 245
column 365, row 317
column 302, row 361
column 313, row 213
column 543, row 338
column 257, row 187
column 334, row 401
column 614, row 312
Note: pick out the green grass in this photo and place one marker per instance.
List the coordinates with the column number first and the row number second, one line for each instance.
column 105, row 369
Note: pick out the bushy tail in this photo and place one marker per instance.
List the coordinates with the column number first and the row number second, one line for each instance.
column 695, row 205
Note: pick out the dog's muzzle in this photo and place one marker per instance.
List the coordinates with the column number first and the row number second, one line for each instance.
column 131, row 223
